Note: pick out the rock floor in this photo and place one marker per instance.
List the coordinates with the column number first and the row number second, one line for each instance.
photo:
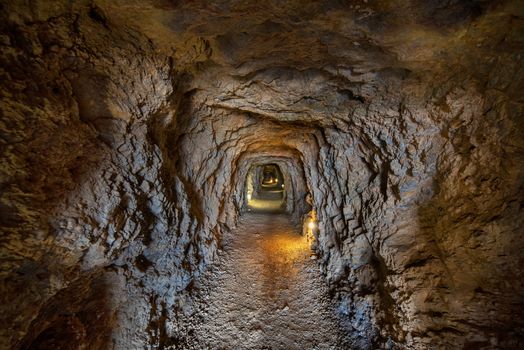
column 265, row 292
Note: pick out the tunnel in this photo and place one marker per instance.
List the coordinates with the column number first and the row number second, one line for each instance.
column 238, row 174
column 266, row 189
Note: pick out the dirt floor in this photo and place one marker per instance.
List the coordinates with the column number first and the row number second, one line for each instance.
column 265, row 292
column 267, row 201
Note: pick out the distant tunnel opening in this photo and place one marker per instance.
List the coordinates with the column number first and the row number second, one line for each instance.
column 266, row 189
column 272, row 183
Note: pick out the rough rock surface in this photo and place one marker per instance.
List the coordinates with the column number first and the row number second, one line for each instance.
column 127, row 129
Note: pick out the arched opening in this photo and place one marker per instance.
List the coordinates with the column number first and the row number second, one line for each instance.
column 266, row 188
column 291, row 179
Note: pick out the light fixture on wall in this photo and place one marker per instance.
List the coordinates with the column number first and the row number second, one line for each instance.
column 310, row 226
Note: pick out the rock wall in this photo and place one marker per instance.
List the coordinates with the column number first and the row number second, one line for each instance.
column 128, row 131
column 100, row 237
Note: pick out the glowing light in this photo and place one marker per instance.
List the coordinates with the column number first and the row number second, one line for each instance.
column 276, row 180
column 311, row 225
column 249, row 196
column 284, row 248
column 282, row 185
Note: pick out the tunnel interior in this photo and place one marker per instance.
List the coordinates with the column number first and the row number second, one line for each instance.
column 237, row 174
column 266, row 189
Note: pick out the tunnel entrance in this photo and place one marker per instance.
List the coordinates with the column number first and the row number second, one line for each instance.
column 265, row 190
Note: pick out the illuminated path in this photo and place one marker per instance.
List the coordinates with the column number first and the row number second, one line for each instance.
column 265, row 292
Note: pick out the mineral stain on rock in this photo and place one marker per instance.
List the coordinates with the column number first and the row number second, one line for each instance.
column 141, row 206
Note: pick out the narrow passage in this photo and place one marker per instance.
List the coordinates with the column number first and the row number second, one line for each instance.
column 265, row 291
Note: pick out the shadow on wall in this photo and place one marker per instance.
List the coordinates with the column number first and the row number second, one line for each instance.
column 55, row 167
column 80, row 316
column 471, row 249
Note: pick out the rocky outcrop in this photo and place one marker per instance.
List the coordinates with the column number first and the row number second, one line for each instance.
column 128, row 130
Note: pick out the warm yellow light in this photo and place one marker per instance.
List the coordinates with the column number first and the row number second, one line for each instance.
column 282, row 185
column 311, row 225
column 276, row 180
column 283, row 248
column 249, row 196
